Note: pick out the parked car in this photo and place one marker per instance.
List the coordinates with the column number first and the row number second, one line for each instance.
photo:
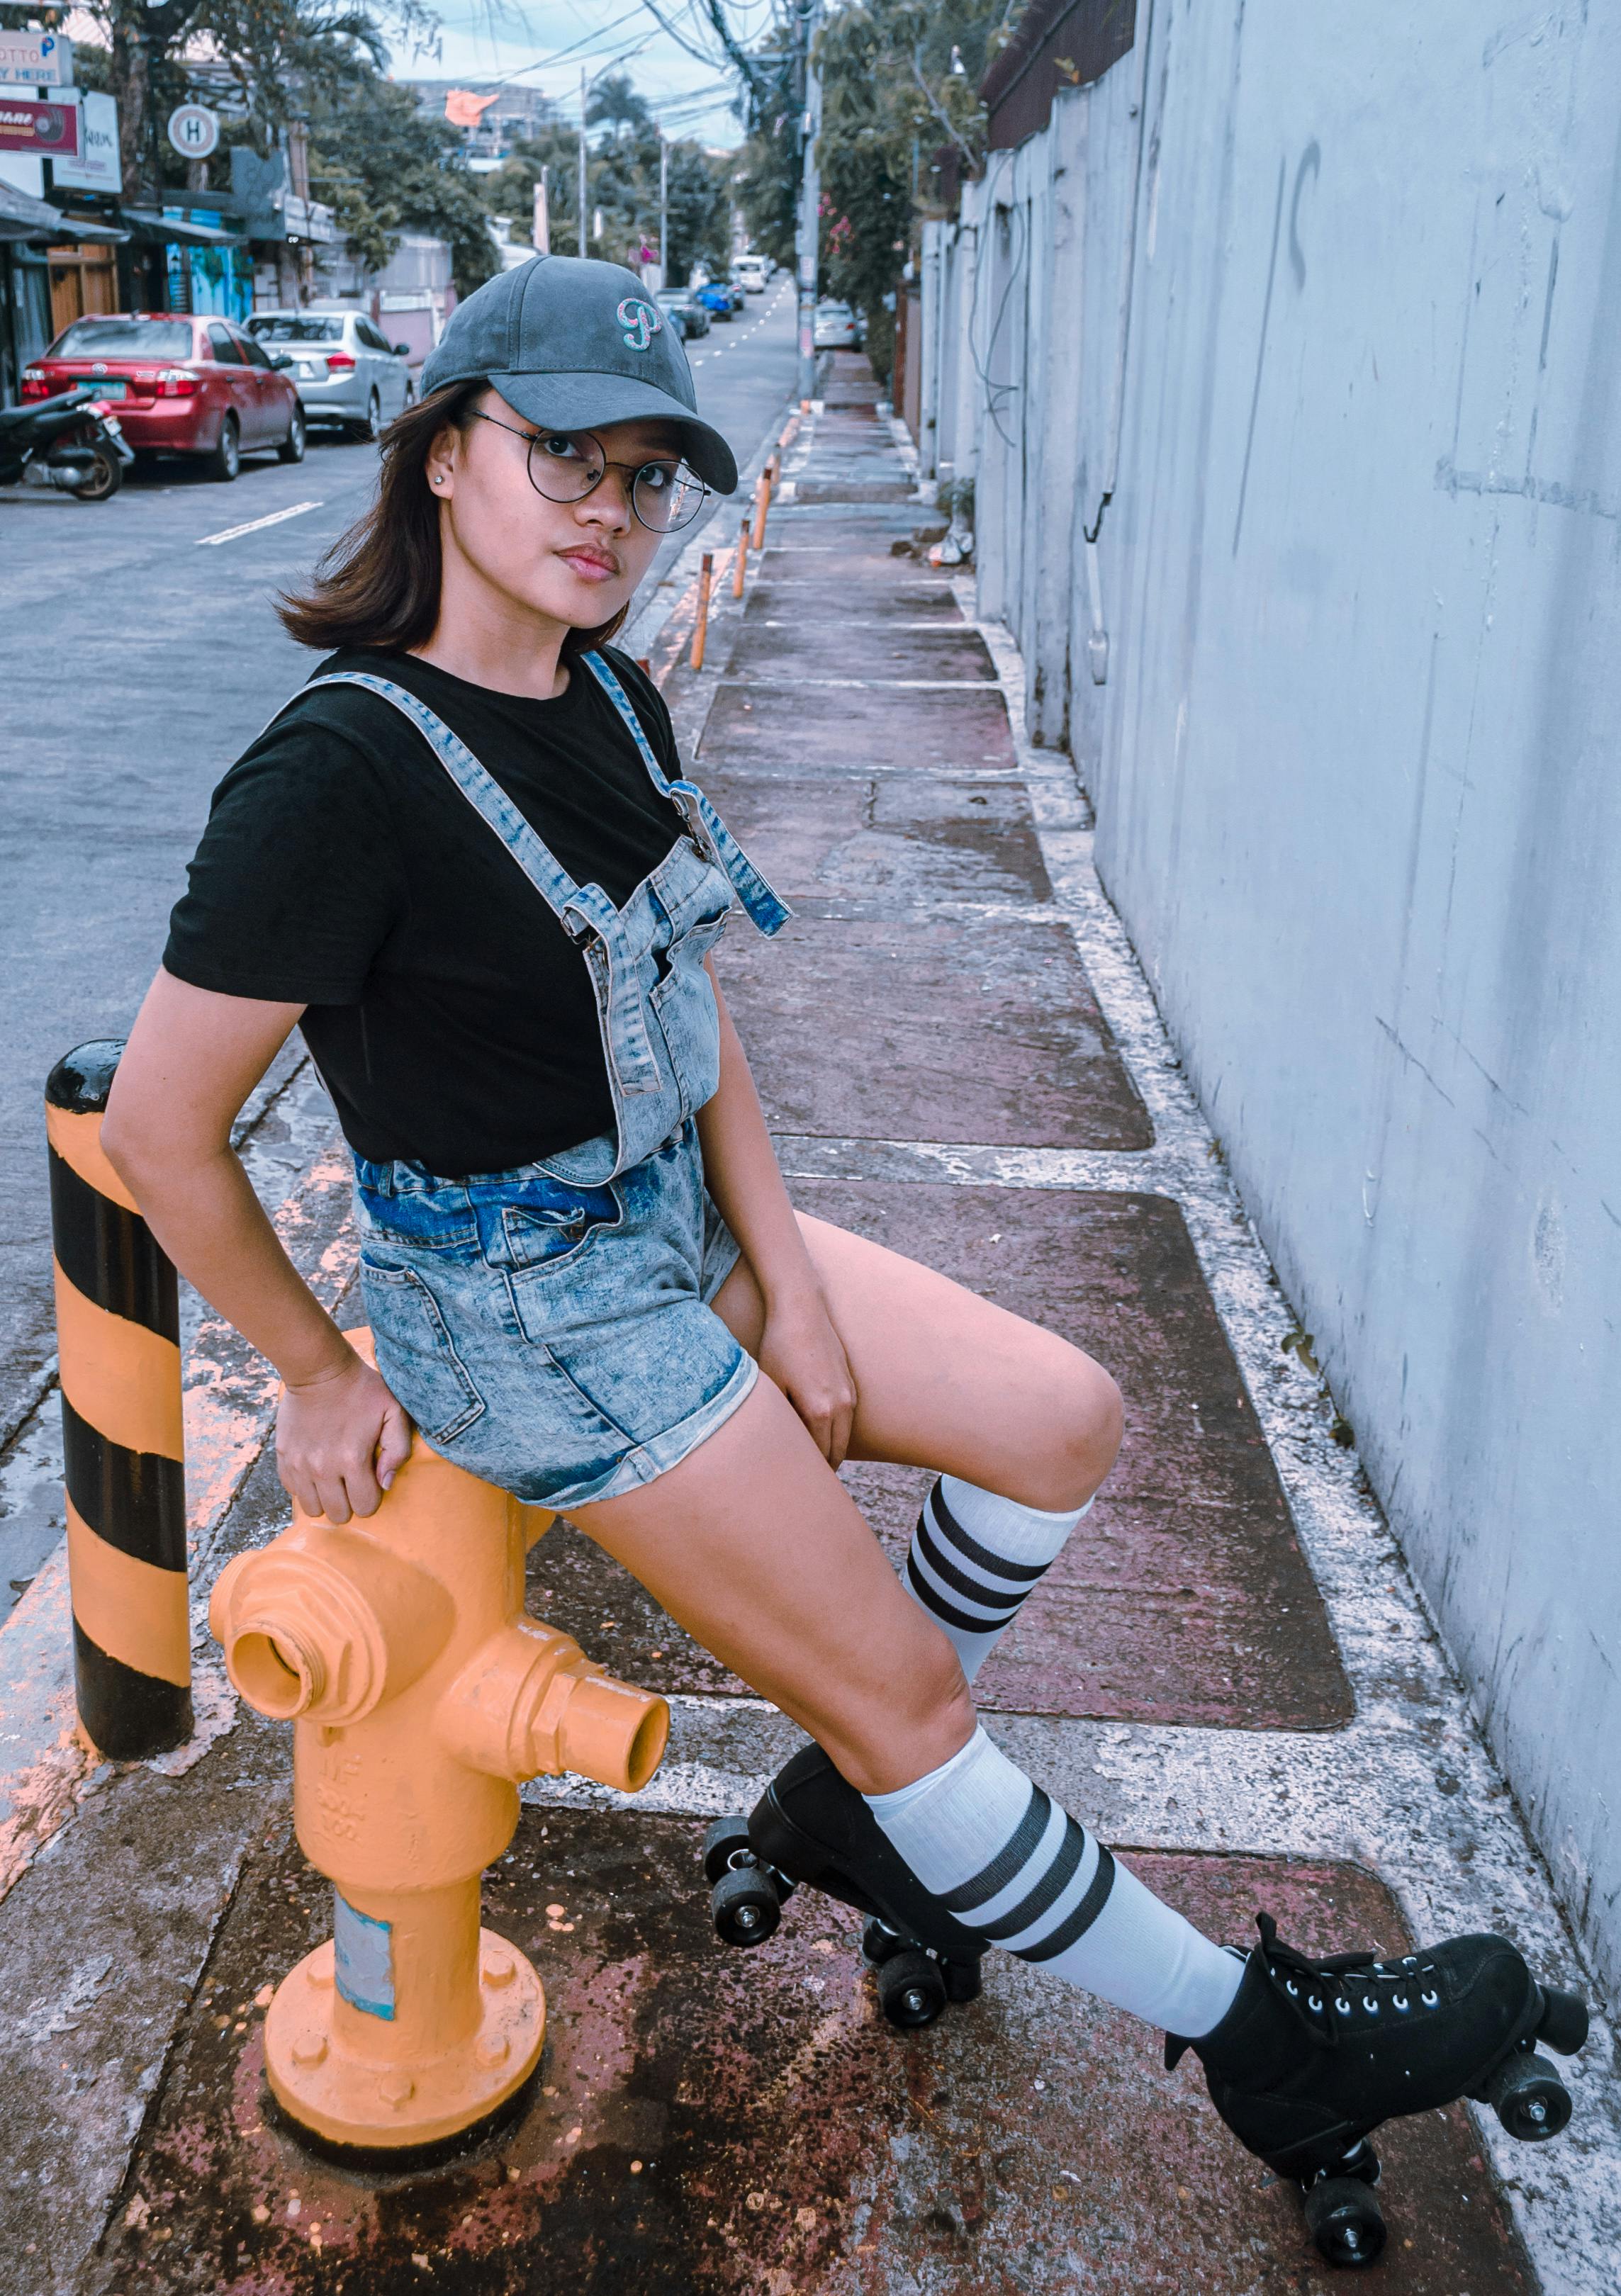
column 198, row 387
column 716, row 297
column 347, row 371
column 683, row 310
column 837, row 327
column 752, row 270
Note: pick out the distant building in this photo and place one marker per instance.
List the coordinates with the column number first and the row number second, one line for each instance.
column 515, row 114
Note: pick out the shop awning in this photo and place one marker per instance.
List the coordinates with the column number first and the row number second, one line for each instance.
column 23, row 217
column 84, row 231
column 147, row 224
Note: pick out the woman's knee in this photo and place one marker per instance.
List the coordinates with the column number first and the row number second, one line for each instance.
column 925, row 1717
column 1082, row 1417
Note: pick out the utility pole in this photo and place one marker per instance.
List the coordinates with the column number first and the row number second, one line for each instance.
column 663, row 210
column 582, row 160
column 810, row 202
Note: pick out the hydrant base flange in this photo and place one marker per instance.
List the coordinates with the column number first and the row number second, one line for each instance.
column 345, row 2097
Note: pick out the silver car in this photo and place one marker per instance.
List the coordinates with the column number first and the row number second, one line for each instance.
column 345, row 370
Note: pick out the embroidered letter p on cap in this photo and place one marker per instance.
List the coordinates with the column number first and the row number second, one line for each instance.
column 572, row 344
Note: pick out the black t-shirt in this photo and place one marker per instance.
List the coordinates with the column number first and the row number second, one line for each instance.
column 341, row 869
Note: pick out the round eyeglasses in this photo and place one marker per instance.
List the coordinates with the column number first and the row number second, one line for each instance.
column 564, row 466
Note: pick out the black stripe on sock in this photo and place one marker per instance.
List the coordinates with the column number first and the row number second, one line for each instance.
column 1048, row 1891
column 1008, row 1862
column 959, row 1538
column 136, row 1500
column 938, row 1560
column 943, row 1610
column 1085, row 1913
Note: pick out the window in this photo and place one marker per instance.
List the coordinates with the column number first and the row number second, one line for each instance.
column 125, row 339
column 248, row 351
column 369, row 336
column 295, row 327
column 223, row 347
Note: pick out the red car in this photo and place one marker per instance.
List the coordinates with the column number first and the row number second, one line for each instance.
column 183, row 386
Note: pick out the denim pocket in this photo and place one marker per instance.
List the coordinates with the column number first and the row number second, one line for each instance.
column 416, row 1353
column 550, row 1223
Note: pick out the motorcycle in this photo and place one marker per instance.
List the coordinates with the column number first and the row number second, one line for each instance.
column 73, row 441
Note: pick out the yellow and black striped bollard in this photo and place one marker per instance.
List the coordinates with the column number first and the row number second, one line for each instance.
column 118, row 1323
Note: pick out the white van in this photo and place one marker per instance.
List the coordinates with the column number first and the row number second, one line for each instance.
column 751, row 270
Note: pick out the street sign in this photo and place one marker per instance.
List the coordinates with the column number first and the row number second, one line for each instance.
column 45, row 129
column 97, row 168
column 194, row 130
column 35, row 60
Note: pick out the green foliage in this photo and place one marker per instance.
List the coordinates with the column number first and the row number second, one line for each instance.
column 621, row 180
column 382, row 163
column 891, row 99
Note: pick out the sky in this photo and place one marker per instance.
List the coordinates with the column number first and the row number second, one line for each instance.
column 482, row 41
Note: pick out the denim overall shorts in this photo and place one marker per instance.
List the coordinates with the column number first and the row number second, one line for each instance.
column 548, row 1328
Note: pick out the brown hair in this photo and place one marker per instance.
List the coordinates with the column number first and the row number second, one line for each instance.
column 378, row 586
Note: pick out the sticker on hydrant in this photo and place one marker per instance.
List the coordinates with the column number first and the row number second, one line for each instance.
column 363, row 1952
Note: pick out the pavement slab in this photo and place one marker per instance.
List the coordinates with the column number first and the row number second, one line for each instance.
column 1027, row 1057
column 904, row 839
column 708, row 2123
column 808, row 728
column 789, row 647
column 1184, row 1598
column 889, row 596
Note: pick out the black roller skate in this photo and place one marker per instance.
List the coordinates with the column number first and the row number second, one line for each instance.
column 1313, row 2056
column 811, row 1825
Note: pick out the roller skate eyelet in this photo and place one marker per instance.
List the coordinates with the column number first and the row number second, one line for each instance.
column 1315, row 2002
column 1370, row 2005
column 1429, row 2000
column 1401, row 2001
column 1343, row 2008
column 1292, row 1990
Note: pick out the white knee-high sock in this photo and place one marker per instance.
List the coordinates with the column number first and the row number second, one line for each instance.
column 1008, row 1862
column 975, row 1558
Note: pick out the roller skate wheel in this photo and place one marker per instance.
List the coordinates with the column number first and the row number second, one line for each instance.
column 1528, row 2097
column 1343, row 2219
column 1564, row 2023
column 743, row 1907
column 725, row 1844
column 879, row 1941
column 911, row 1990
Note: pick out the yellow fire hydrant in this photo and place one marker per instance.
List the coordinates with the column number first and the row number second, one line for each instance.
column 421, row 1696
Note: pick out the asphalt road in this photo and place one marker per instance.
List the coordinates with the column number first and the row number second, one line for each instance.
column 142, row 654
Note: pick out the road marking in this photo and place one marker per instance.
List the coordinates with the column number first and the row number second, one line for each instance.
column 294, row 510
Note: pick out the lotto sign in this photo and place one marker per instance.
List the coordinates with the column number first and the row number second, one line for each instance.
column 36, row 60
column 194, row 130
column 45, row 129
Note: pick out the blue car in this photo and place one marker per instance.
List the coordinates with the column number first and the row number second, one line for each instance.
column 716, row 298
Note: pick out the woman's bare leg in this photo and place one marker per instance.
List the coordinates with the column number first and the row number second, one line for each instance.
column 946, row 1380
column 754, row 1545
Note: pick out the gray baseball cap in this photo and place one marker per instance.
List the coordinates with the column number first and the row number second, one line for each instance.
column 575, row 344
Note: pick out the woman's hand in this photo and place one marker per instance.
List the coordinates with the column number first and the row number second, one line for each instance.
column 800, row 1349
column 340, row 1439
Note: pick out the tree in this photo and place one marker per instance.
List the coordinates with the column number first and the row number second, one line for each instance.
column 622, row 181
column 891, row 96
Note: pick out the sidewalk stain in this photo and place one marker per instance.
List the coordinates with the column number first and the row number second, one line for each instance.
column 707, row 2122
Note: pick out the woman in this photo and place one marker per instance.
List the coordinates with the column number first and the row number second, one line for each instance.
column 464, row 861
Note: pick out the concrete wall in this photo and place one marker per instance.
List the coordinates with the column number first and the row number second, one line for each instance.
column 1357, row 761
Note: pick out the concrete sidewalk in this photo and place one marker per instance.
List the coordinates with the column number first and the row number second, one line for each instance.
column 1228, row 1675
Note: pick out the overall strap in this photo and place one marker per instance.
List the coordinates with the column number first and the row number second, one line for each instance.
column 708, row 831
column 579, row 909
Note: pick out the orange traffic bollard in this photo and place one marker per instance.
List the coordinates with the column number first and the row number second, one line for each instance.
column 701, row 629
column 741, row 562
column 421, row 1696
column 763, row 501
column 118, row 1331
